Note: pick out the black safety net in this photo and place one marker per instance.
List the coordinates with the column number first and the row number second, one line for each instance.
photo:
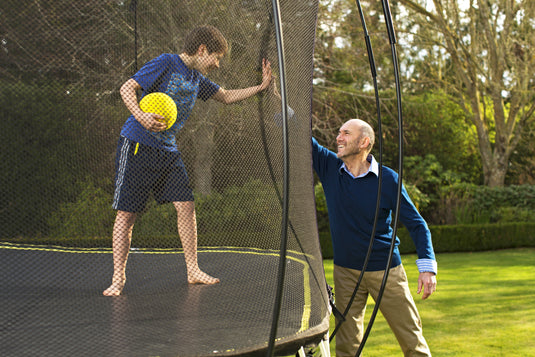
column 130, row 235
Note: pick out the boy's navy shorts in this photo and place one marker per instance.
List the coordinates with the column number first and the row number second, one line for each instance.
column 142, row 170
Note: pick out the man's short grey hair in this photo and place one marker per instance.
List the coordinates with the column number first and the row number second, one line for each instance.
column 366, row 131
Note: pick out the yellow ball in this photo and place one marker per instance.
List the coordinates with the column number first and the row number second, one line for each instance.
column 162, row 104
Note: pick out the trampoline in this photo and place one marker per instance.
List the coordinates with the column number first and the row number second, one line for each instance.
column 57, row 307
column 249, row 164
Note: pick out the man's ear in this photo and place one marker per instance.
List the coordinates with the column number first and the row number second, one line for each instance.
column 365, row 142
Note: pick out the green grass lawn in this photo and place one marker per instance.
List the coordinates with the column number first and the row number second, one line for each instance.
column 484, row 306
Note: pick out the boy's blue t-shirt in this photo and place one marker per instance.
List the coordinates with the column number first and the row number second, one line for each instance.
column 167, row 73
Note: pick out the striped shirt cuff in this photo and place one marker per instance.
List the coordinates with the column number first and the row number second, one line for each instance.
column 427, row 265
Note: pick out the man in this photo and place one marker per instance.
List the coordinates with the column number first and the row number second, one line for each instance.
column 350, row 180
column 148, row 160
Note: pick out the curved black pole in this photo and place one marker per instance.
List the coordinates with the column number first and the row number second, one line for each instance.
column 286, row 175
column 373, row 70
column 263, row 54
column 392, row 38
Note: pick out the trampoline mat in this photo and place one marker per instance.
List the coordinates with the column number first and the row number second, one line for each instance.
column 52, row 304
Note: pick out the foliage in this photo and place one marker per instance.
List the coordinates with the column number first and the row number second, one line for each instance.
column 342, row 62
column 465, row 203
column 439, row 146
column 43, row 153
column 481, row 53
column 90, row 215
column 57, row 131
column 461, row 238
column 342, row 80
column 475, row 237
column 434, row 124
column 478, row 56
column 424, row 180
column 420, row 200
column 250, row 207
column 322, row 215
column 51, row 40
column 247, row 208
column 522, row 164
column 238, row 212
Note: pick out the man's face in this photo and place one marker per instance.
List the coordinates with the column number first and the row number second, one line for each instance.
column 348, row 141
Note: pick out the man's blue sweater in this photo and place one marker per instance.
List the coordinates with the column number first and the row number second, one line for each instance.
column 351, row 205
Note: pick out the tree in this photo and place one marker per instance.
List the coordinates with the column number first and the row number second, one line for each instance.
column 343, row 86
column 483, row 52
column 343, row 89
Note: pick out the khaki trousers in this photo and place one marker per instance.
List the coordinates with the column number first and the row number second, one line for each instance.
column 397, row 307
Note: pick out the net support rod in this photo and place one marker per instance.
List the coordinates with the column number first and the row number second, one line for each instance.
column 392, row 39
column 373, row 70
column 286, row 181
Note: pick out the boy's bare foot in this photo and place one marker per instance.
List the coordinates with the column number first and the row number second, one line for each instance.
column 200, row 277
column 115, row 288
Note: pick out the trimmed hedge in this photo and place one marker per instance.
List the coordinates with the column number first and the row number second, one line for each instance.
column 457, row 238
column 472, row 204
column 462, row 238
column 158, row 241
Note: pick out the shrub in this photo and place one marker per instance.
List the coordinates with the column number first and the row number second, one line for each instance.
column 475, row 237
column 321, row 209
column 250, row 207
column 461, row 238
column 238, row 211
column 43, row 152
column 470, row 204
column 90, row 215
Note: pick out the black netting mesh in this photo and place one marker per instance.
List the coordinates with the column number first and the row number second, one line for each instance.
column 62, row 64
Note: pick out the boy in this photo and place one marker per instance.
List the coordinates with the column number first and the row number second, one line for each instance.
column 148, row 159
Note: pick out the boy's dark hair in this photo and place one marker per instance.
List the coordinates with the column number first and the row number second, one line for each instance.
column 209, row 36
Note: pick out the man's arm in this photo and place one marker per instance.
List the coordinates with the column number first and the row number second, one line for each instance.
column 150, row 121
column 235, row 95
column 421, row 235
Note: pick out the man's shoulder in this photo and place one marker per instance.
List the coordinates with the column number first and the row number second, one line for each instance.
column 323, row 151
column 389, row 174
column 388, row 170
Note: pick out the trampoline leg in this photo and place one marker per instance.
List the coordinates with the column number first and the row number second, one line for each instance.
column 301, row 352
column 324, row 346
column 324, row 350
